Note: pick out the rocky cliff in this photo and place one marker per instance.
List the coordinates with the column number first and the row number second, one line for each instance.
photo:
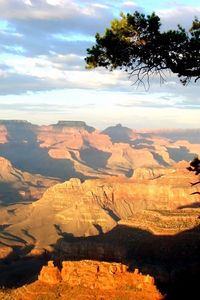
column 89, row 280
column 95, row 206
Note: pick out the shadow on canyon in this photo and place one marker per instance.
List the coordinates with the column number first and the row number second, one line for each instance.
column 181, row 153
column 33, row 159
column 24, row 152
column 174, row 261
column 9, row 193
column 192, row 205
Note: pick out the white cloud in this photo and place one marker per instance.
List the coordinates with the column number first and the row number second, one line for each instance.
column 28, row 2
column 61, row 71
column 183, row 15
column 48, row 10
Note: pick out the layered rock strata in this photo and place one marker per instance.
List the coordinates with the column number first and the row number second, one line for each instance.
column 75, row 209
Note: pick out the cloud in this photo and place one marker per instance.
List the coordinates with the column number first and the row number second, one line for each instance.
column 22, row 74
column 131, row 6
column 33, row 27
column 183, row 15
column 43, row 44
column 42, row 107
column 62, row 16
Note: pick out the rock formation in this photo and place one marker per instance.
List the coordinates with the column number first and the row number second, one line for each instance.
column 92, row 274
column 50, row 274
column 74, row 149
column 121, row 134
column 75, row 124
column 94, row 207
column 5, row 252
column 90, row 280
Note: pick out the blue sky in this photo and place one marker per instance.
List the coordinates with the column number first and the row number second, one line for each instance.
column 43, row 77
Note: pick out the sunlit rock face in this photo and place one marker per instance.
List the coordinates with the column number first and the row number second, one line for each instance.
column 95, row 206
column 87, row 280
column 50, row 274
column 101, row 278
column 5, row 252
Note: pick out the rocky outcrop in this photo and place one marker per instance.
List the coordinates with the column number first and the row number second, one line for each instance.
column 101, row 276
column 50, row 274
column 5, row 252
column 87, row 280
column 91, row 274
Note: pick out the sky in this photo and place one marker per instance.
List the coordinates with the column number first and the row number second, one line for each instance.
column 42, row 70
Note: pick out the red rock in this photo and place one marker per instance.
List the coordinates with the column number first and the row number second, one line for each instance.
column 50, row 274
column 5, row 252
column 89, row 280
column 36, row 252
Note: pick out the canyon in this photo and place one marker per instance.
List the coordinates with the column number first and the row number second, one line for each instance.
column 69, row 192
column 74, row 149
column 149, row 221
column 95, row 206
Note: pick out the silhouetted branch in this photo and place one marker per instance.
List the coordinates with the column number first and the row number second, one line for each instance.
column 195, row 167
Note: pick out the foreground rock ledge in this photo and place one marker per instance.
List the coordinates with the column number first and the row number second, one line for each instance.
column 90, row 280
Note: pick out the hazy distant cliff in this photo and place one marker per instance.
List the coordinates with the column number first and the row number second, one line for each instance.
column 74, row 149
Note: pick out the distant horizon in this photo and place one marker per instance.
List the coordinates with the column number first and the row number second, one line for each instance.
column 147, row 129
